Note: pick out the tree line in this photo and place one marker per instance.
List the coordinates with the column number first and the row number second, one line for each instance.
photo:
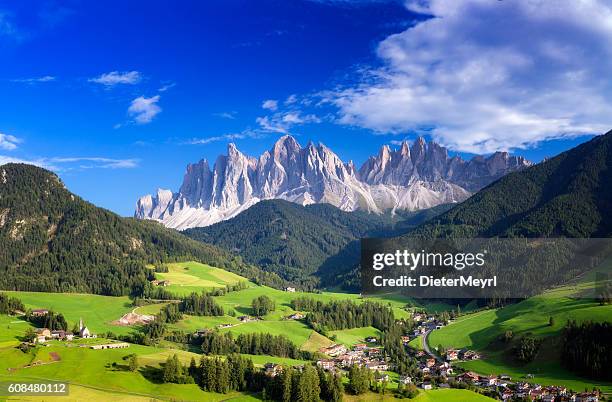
column 238, row 373
column 344, row 314
column 587, row 349
column 9, row 304
column 255, row 343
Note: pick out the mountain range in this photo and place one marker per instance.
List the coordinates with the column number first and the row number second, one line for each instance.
column 569, row 195
column 411, row 178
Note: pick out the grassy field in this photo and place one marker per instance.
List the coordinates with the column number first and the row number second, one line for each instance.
column 436, row 395
column 315, row 342
column 188, row 277
column 481, row 331
column 350, row 337
column 416, row 343
column 98, row 312
column 93, row 372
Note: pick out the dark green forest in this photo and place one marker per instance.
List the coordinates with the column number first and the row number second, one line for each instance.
column 52, row 240
column 586, row 349
column 297, row 241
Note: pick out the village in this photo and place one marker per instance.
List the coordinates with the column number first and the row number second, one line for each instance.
column 438, row 371
column 433, row 371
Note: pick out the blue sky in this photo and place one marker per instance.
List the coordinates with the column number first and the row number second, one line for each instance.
column 118, row 97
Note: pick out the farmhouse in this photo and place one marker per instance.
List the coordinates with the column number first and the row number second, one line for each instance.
column 118, row 345
column 383, row 378
column 273, row 369
column 405, row 379
column 469, row 355
column 468, row 377
column 377, row 365
column 40, row 312
column 202, row 332
column 296, row 316
column 290, row 289
column 43, row 332
column 61, row 335
column 334, row 350
column 326, row 364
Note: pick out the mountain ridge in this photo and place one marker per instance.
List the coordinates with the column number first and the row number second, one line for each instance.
column 410, row 178
column 52, row 240
column 569, row 195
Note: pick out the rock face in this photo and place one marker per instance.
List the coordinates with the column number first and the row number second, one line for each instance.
column 413, row 177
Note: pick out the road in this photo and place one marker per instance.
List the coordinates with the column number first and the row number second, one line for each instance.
column 425, row 345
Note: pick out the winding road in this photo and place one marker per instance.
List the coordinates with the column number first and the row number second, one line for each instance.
column 425, row 346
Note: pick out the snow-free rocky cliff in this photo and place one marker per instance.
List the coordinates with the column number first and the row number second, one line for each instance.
column 413, row 177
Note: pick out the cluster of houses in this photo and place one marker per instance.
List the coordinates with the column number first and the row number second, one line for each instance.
column 463, row 354
column 45, row 334
column 426, row 322
column 509, row 391
column 361, row 354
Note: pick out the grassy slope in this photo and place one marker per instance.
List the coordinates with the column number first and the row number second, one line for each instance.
column 187, row 277
column 97, row 311
column 86, row 367
column 481, row 330
column 356, row 335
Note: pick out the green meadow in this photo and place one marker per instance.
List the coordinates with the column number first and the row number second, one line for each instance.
column 191, row 276
column 482, row 330
column 94, row 370
column 350, row 337
column 98, row 312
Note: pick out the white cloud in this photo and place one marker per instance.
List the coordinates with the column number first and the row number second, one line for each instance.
column 166, row 86
column 281, row 122
column 8, row 142
column 4, row 159
column 116, row 77
column 34, row 80
column 59, row 164
column 226, row 115
column 487, row 75
column 270, row 104
column 6, row 26
column 225, row 137
column 291, row 99
column 143, row 109
column 98, row 162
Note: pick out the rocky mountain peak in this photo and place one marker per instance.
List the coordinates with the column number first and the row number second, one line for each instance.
column 416, row 176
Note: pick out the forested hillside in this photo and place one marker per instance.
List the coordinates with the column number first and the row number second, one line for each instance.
column 569, row 195
column 52, row 240
column 296, row 241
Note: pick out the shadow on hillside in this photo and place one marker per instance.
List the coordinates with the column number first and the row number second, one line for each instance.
column 245, row 310
column 153, row 374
